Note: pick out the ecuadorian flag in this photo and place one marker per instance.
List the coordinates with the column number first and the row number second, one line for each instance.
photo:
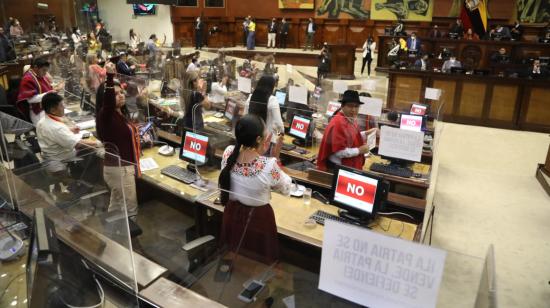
column 474, row 15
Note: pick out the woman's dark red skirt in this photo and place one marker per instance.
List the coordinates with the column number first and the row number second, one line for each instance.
column 260, row 241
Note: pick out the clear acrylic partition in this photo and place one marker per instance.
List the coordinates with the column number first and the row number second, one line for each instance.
column 87, row 205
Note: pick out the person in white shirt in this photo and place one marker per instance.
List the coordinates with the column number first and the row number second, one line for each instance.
column 264, row 104
column 219, row 90
column 134, row 40
column 272, row 33
column 246, row 181
column 76, row 37
column 194, row 66
column 57, row 138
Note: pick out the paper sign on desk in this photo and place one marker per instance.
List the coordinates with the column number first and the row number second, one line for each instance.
column 369, row 85
column 332, row 107
column 376, row 270
column 432, row 93
column 289, row 68
column 372, row 106
column 298, row 95
column 339, row 86
column 400, row 143
column 244, row 84
column 147, row 164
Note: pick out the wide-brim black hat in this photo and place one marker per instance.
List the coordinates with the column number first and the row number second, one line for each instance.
column 351, row 96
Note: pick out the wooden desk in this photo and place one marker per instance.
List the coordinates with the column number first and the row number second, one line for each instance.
column 166, row 293
column 342, row 62
column 477, row 52
column 512, row 103
column 290, row 213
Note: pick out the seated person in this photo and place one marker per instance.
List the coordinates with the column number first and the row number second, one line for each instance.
column 413, row 43
column 246, row 181
column 452, row 62
column 195, row 99
column 545, row 36
column 500, row 57
column 194, row 66
column 131, row 59
column 343, row 143
column 123, row 68
column 57, row 138
column 536, row 71
column 219, row 90
column 435, row 32
column 516, row 31
column 471, row 36
column 456, row 30
column 34, row 85
column 422, row 64
column 500, row 33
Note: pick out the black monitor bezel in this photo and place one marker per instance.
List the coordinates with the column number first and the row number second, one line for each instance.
column 380, row 195
column 308, row 134
column 286, row 97
column 189, row 160
column 420, row 104
column 235, row 112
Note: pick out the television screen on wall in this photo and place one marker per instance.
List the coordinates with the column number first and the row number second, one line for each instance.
column 145, row 9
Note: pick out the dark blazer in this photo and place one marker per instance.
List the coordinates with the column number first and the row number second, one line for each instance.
column 283, row 29
column 314, row 27
column 123, row 68
column 409, row 43
column 272, row 27
column 200, row 27
column 418, row 64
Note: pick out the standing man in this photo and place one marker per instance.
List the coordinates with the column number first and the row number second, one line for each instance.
column 310, row 34
column 272, row 33
column 246, row 22
column 413, row 44
column 199, row 27
column 283, row 33
column 7, row 53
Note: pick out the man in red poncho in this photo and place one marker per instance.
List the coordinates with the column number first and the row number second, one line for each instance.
column 343, row 143
column 34, row 85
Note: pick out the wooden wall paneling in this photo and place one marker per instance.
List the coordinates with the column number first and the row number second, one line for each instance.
column 448, row 88
column 333, row 33
column 408, row 90
column 538, row 106
column 471, row 100
column 503, row 103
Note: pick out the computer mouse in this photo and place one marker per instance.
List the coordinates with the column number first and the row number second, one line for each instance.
column 166, row 150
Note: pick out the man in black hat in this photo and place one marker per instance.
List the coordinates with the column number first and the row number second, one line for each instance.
column 343, row 143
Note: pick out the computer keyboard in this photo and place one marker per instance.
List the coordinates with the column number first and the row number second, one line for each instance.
column 392, row 170
column 288, row 146
column 179, row 173
column 219, row 126
column 321, row 216
column 302, row 166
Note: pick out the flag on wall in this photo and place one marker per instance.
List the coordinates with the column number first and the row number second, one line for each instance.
column 474, row 15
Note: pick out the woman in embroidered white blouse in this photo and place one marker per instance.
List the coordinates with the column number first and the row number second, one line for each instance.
column 245, row 172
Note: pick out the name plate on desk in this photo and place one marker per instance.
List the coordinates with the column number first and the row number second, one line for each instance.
column 376, row 270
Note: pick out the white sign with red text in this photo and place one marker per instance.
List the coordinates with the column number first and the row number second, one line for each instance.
column 332, row 107
column 417, row 109
column 411, row 122
column 299, row 127
column 194, row 147
column 355, row 190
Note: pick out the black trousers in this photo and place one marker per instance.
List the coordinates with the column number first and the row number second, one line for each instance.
column 366, row 60
column 282, row 40
column 198, row 40
column 245, row 37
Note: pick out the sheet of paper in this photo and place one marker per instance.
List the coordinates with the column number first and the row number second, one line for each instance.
column 339, row 86
column 244, row 84
column 147, row 164
column 432, row 93
column 369, row 85
column 376, row 270
column 83, row 132
column 371, row 140
column 37, row 98
column 289, row 301
column 372, row 106
column 400, row 143
column 289, row 68
column 298, row 95
column 86, row 124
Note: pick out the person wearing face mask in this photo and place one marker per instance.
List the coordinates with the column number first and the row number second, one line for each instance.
column 452, row 62
column 413, row 44
column 15, row 29
column 199, row 29
column 34, row 85
column 343, row 143
column 122, row 146
column 536, row 71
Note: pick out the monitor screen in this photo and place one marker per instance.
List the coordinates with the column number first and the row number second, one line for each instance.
column 144, row 9
column 281, row 97
column 230, row 110
column 355, row 190
column 411, row 122
column 194, row 148
column 332, row 107
column 299, row 127
column 418, row 109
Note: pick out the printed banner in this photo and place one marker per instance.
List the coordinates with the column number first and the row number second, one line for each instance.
column 413, row 10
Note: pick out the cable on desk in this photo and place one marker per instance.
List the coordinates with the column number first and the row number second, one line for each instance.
column 397, row 213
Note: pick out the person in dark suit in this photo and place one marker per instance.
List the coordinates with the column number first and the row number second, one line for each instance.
column 7, row 52
column 123, row 68
column 435, row 32
column 199, row 28
column 452, row 62
column 516, row 31
column 272, row 33
column 283, row 33
column 536, row 71
column 324, row 64
column 500, row 57
column 457, row 29
column 422, row 63
column 413, row 43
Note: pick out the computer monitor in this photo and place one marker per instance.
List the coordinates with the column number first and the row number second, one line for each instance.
column 358, row 193
column 419, row 109
column 281, row 97
column 194, row 148
column 411, row 122
column 231, row 109
column 457, row 70
column 300, row 128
